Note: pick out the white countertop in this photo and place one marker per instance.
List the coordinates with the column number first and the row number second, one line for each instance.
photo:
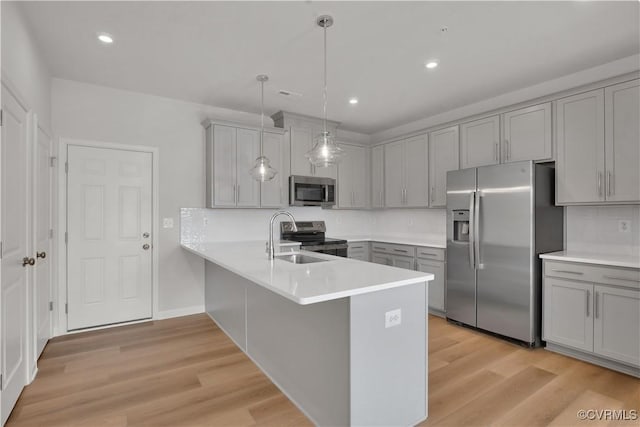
column 400, row 240
column 305, row 283
column 590, row 258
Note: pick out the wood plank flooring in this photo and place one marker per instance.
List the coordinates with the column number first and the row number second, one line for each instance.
column 186, row 372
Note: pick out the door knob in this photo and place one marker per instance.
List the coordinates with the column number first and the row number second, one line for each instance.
column 145, row 246
column 28, row 261
column 42, row 254
column 145, row 235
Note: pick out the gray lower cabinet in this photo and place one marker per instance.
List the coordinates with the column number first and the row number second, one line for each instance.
column 358, row 250
column 591, row 320
column 436, row 286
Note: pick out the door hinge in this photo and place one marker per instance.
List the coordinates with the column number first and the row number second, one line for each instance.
column 51, row 233
column 52, row 161
column 66, row 237
column 50, row 305
column 66, row 308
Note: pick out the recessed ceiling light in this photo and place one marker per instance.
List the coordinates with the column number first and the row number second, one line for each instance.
column 353, row 101
column 105, row 38
column 431, row 64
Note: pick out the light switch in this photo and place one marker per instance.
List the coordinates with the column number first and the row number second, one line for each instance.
column 167, row 222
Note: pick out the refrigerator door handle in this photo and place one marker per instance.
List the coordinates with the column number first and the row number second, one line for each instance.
column 472, row 227
column 476, row 229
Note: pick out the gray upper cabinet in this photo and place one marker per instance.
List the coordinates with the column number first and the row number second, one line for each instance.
column 231, row 151
column 622, row 142
column 272, row 192
column 598, row 140
column 406, row 173
column 527, row 134
column 443, row 157
column 580, row 157
column 377, row 177
column 301, row 142
column 353, row 190
column 480, row 142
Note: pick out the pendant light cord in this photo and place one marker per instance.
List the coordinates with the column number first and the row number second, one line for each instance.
column 261, row 117
column 325, row 78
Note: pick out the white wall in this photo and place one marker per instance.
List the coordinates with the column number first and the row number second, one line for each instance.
column 22, row 64
column 594, row 229
column 85, row 111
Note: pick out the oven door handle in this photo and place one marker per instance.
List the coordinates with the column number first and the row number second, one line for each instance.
column 312, row 248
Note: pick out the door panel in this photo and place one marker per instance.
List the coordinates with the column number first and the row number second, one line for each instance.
column 14, row 235
column 394, row 174
column 247, row 151
column 436, row 286
column 443, row 157
column 346, row 175
column 568, row 316
column 527, row 134
column 617, row 324
column 271, row 191
column 224, row 166
column 461, row 275
column 109, row 224
column 301, row 140
column 377, row 177
column 42, row 212
column 416, row 172
column 479, row 144
column 580, row 139
column 622, row 124
column 505, row 255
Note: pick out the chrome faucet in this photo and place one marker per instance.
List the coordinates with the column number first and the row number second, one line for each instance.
column 271, row 250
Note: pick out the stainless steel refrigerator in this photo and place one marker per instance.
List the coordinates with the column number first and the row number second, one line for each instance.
column 499, row 218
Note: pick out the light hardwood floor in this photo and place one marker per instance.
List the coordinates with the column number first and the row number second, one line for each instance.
column 186, row 372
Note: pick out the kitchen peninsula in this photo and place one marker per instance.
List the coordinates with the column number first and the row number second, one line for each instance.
column 345, row 340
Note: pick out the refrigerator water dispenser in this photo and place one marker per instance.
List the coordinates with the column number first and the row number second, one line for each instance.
column 461, row 225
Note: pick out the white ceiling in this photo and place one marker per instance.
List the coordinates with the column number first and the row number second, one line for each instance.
column 210, row 52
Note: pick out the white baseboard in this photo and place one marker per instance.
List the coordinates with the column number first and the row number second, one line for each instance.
column 177, row 312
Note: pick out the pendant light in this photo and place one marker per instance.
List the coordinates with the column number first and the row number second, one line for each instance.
column 325, row 151
column 262, row 170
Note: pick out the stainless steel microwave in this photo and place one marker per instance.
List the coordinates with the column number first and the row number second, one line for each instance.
column 311, row 191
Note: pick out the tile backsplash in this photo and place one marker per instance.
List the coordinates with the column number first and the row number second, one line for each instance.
column 198, row 224
column 599, row 229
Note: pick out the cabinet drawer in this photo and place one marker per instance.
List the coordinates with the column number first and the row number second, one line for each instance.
column 430, row 253
column 359, row 246
column 617, row 276
column 391, row 248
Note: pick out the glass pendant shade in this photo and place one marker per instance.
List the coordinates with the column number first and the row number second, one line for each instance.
column 262, row 170
column 325, row 151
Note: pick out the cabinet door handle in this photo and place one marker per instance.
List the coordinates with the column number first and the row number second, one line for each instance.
column 588, row 295
column 495, row 151
column 621, row 278
column 567, row 271
column 235, row 194
column 427, row 254
column 433, row 190
column 599, row 183
column 238, row 193
column 400, row 250
column 609, row 192
column 596, row 303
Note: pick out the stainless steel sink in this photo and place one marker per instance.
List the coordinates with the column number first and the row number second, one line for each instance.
column 300, row 258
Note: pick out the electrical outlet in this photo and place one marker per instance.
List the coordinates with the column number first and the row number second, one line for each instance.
column 624, row 226
column 167, row 223
column 392, row 318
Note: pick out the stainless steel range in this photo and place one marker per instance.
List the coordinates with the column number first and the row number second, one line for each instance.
column 311, row 235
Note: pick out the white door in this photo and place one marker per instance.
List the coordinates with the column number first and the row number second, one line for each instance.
column 247, row 151
column 617, row 324
column 443, row 157
column 568, row 313
column 394, row 174
column 416, row 172
column 480, row 142
column 527, row 134
column 109, row 218
column 377, row 176
column 622, row 141
column 271, row 191
column 14, row 235
column 580, row 155
column 42, row 240
column 224, row 166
